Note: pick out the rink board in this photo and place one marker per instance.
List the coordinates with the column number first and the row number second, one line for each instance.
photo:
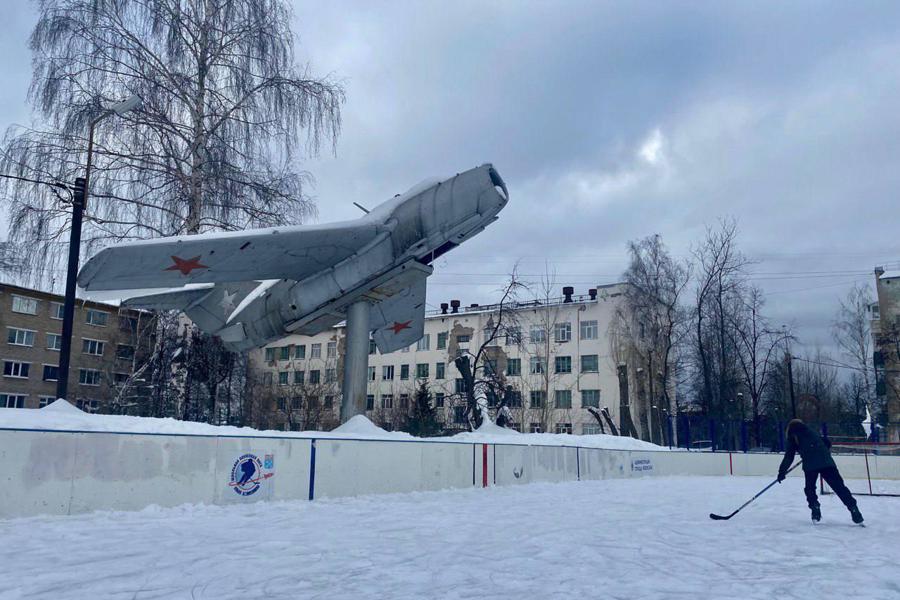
column 69, row 472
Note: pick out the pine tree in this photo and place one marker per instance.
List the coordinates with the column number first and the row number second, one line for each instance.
column 422, row 419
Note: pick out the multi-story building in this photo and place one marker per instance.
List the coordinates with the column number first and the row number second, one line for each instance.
column 555, row 353
column 104, row 349
column 886, row 334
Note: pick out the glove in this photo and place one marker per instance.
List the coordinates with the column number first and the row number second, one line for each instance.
column 781, row 476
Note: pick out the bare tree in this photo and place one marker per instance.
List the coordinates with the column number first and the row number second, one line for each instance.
column 653, row 320
column 852, row 331
column 757, row 344
column 720, row 278
column 226, row 113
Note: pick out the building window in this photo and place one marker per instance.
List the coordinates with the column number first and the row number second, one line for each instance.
column 312, row 401
column 422, row 371
column 442, row 340
column 589, row 363
column 89, row 406
column 563, row 364
column 490, row 366
column 314, row 377
column 439, row 400
column 387, row 401
column 20, row 337
column 370, row 374
column 284, row 353
column 516, row 425
column 370, row 402
column 283, row 378
column 299, row 376
column 463, row 339
column 404, row 372
column 129, row 324
column 124, row 352
column 281, row 403
column 88, row 376
column 331, row 350
column 57, row 310
column 270, row 354
column 296, row 403
column 562, row 332
column 315, row 350
column 12, row 401
column 300, row 351
column 404, row 401
column 514, row 399
column 535, row 428
column 538, row 398
column 564, row 428
column 387, row 373
column 96, row 317
column 24, row 305
column 459, row 415
column 590, row 398
column 120, row 379
column 14, row 368
column 424, row 343
column 45, row 401
column 330, row 375
column 490, row 336
column 589, row 330
column 372, row 347
column 513, row 336
column 513, row 367
column 536, row 364
column 440, row 370
column 590, row 430
column 537, row 334
column 329, row 402
column 51, row 373
column 94, row 347
column 54, row 341
column 460, row 386
column 562, row 399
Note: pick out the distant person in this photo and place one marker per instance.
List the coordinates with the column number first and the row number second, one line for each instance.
column 816, row 456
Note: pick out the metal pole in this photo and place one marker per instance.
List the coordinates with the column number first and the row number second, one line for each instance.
column 356, row 361
column 79, row 202
column 790, row 374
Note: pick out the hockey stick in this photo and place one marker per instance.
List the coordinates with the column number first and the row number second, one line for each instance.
column 716, row 517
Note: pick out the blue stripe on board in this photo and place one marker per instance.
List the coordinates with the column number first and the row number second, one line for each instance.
column 312, row 469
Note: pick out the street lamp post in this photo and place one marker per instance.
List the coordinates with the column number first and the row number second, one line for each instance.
column 79, row 201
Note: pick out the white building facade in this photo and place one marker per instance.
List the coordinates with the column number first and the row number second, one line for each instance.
column 555, row 354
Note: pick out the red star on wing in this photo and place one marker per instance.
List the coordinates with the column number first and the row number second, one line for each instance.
column 398, row 327
column 186, row 265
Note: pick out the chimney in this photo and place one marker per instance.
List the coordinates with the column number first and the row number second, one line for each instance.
column 879, row 271
column 567, row 292
column 473, row 306
column 454, row 305
column 444, row 307
column 592, row 293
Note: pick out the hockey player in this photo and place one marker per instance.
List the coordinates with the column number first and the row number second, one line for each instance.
column 816, row 456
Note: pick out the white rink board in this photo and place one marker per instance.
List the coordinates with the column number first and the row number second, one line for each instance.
column 37, row 472
column 354, row 467
column 57, row 472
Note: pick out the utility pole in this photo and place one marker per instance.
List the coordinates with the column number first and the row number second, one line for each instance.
column 790, row 373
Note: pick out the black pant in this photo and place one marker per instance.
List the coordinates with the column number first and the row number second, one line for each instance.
column 833, row 478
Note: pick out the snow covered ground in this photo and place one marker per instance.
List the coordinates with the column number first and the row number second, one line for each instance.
column 62, row 416
column 627, row 539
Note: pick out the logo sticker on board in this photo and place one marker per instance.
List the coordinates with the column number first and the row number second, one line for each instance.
column 247, row 473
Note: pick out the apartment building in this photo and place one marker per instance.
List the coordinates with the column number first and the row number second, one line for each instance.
column 104, row 349
column 555, row 353
column 886, row 337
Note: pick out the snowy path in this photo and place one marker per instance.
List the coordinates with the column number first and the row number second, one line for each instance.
column 629, row 539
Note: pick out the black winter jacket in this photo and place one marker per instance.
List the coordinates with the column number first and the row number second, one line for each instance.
column 814, row 451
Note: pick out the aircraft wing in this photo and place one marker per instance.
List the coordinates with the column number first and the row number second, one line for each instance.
column 208, row 307
column 275, row 253
column 400, row 320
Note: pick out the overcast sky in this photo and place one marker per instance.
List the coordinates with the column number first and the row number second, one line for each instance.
column 611, row 122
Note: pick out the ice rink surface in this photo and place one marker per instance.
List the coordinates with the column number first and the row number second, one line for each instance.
column 627, row 539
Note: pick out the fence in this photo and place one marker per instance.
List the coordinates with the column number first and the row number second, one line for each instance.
column 68, row 472
column 764, row 435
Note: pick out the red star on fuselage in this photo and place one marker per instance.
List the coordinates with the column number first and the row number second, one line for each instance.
column 186, row 265
column 398, row 327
